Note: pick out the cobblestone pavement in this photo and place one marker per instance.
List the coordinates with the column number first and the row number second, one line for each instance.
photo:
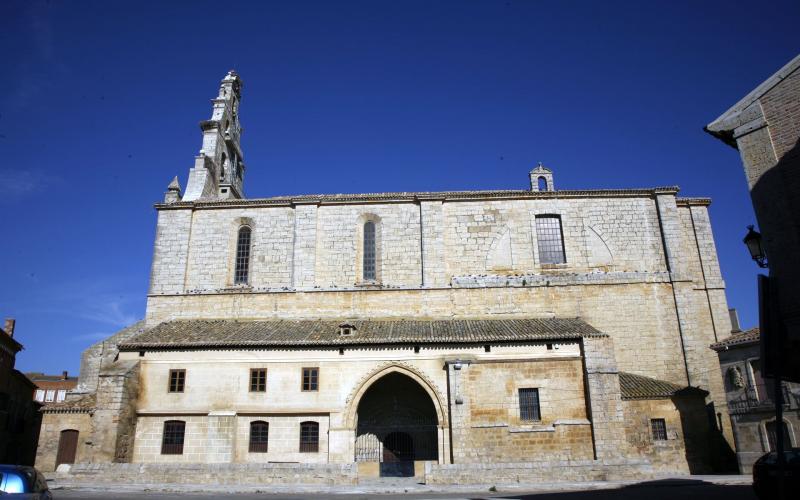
column 655, row 490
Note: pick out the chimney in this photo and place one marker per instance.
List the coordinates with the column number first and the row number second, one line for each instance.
column 64, row 375
column 735, row 328
column 9, row 326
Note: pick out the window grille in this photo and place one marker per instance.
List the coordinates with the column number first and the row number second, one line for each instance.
column 258, row 380
column 659, row 429
column 309, row 437
column 177, row 380
column 550, row 238
column 310, row 379
column 172, row 442
column 259, row 437
column 529, row 405
column 369, row 251
column 242, row 256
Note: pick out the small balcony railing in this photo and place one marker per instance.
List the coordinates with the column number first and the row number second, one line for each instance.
column 760, row 397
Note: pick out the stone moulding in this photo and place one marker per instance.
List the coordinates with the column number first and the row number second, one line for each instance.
column 410, row 197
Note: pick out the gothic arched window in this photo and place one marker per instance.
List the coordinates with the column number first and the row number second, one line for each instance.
column 242, row 270
column 369, row 251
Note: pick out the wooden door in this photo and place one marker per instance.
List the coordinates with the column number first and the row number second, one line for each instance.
column 67, row 447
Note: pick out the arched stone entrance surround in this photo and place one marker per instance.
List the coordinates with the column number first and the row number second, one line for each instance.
column 399, row 372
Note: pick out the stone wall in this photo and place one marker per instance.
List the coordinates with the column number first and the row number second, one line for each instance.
column 50, row 433
column 662, row 454
column 261, row 474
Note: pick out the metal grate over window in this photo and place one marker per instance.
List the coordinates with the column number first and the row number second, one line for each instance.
column 529, row 405
column 258, row 380
column 259, row 437
column 177, row 380
column 172, row 442
column 309, row 437
column 659, row 429
column 242, row 256
column 551, row 240
column 310, row 379
column 369, row 250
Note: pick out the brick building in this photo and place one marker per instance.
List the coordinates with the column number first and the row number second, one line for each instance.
column 51, row 388
column 19, row 414
column 765, row 127
column 548, row 333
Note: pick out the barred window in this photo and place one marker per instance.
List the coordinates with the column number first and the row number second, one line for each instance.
column 551, row 240
column 259, row 437
column 172, row 442
column 529, row 405
column 242, row 256
column 659, row 429
column 258, row 380
column 177, row 380
column 310, row 379
column 309, row 437
column 369, row 251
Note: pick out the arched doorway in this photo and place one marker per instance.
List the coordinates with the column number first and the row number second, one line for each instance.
column 397, row 425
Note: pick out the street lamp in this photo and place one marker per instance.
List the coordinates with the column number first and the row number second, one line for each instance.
column 754, row 246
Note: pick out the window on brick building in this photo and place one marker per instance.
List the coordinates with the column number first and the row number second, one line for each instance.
column 658, row 427
column 177, row 380
column 258, row 380
column 310, row 379
column 309, row 437
column 259, row 437
column 172, row 441
column 529, row 405
column 242, row 270
column 369, row 270
column 550, row 239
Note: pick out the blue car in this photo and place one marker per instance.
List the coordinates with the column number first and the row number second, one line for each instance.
column 19, row 481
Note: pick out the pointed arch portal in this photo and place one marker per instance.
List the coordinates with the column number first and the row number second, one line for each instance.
column 397, row 424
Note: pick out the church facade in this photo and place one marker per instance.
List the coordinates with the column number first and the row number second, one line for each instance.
column 399, row 331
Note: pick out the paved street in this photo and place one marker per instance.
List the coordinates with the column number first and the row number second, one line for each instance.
column 655, row 490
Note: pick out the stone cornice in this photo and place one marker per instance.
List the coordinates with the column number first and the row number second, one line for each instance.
column 411, row 197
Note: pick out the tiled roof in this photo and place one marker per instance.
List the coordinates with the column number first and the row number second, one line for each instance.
column 414, row 196
column 310, row 333
column 84, row 404
column 747, row 337
column 640, row 387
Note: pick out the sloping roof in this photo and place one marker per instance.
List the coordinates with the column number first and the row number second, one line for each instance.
column 640, row 387
column 735, row 117
column 747, row 337
column 313, row 333
column 84, row 404
column 416, row 196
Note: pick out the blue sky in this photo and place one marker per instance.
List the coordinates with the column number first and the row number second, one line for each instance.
column 100, row 101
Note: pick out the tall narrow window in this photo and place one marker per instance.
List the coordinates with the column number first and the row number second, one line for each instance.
column 369, row 251
column 242, row 256
column 309, row 437
column 259, row 437
column 258, row 380
column 658, row 427
column 172, row 441
column 529, row 405
column 551, row 240
column 772, row 436
column 177, row 380
column 310, row 379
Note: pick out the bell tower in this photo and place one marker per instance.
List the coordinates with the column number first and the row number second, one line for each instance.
column 218, row 171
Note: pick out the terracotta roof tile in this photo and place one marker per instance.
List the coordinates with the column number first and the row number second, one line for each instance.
column 747, row 337
column 312, row 333
column 640, row 387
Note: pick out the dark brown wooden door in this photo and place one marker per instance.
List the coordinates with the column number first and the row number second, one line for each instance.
column 67, row 446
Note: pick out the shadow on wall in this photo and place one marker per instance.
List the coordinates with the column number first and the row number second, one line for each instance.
column 707, row 450
column 776, row 199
